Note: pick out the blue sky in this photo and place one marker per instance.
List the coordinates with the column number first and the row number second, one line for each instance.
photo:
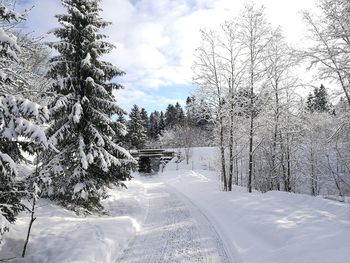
column 156, row 40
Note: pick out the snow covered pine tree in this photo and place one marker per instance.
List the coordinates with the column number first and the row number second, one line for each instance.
column 18, row 118
column 137, row 133
column 86, row 158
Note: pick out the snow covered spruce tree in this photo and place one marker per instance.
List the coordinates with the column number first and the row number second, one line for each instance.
column 137, row 133
column 18, row 118
column 86, row 158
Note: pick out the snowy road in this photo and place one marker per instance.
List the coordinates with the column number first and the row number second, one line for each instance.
column 176, row 217
column 174, row 231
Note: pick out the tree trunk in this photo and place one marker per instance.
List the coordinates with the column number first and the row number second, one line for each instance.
column 236, row 168
column 241, row 172
column 287, row 183
column 230, row 168
column 231, row 149
column 274, row 175
column 251, row 131
column 222, row 152
column 32, row 212
column 187, row 153
column 251, row 134
column 313, row 175
column 250, row 167
column 32, row 219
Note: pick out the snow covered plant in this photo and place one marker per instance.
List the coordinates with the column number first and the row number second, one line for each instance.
column 88, row 158
column 19, row 119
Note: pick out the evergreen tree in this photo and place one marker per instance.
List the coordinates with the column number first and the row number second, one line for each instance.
column 161, row 122
column 174, row 115
column 145, row 119
column 321, row 100
column 121, row 130
column 189, row 100
column 154, row 124
column 180, row 115
column 190, row 106
column 170, row 116
column 137, row 133
column 86, row 159
column 19, row 119
column 121, row 119
column 318, row 101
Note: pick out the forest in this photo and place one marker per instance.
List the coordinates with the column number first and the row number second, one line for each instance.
column 65, row 138
column 272, row 132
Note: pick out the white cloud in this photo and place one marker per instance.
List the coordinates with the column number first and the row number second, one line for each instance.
column 156, row 39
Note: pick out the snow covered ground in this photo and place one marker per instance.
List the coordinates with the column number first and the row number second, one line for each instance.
column 270, row 227
column 182, row 216
column 60, row 236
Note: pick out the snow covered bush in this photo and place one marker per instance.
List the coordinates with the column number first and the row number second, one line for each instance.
column 19, row 119
column 85, row 157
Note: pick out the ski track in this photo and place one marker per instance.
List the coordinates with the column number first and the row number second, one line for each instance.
column 175, row 231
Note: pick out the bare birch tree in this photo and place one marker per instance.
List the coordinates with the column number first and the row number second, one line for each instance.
column 281, row 60
column 233, row 69
column 212, row 87
column 255, row 36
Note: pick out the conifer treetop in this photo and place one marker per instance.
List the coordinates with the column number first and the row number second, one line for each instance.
column 80, row 47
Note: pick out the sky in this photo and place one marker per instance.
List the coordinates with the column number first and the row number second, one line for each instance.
column 156, row 39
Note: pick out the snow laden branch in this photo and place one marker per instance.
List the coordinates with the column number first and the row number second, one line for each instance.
column 20, row 122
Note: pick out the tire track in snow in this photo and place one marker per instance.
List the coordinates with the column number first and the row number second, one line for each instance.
column 206, row 226
column 227, row 249
column 171, row 233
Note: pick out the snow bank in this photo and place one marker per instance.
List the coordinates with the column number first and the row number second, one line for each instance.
column 58, row 235
column 270, row 227
column 201, row 158
column 4, row 224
